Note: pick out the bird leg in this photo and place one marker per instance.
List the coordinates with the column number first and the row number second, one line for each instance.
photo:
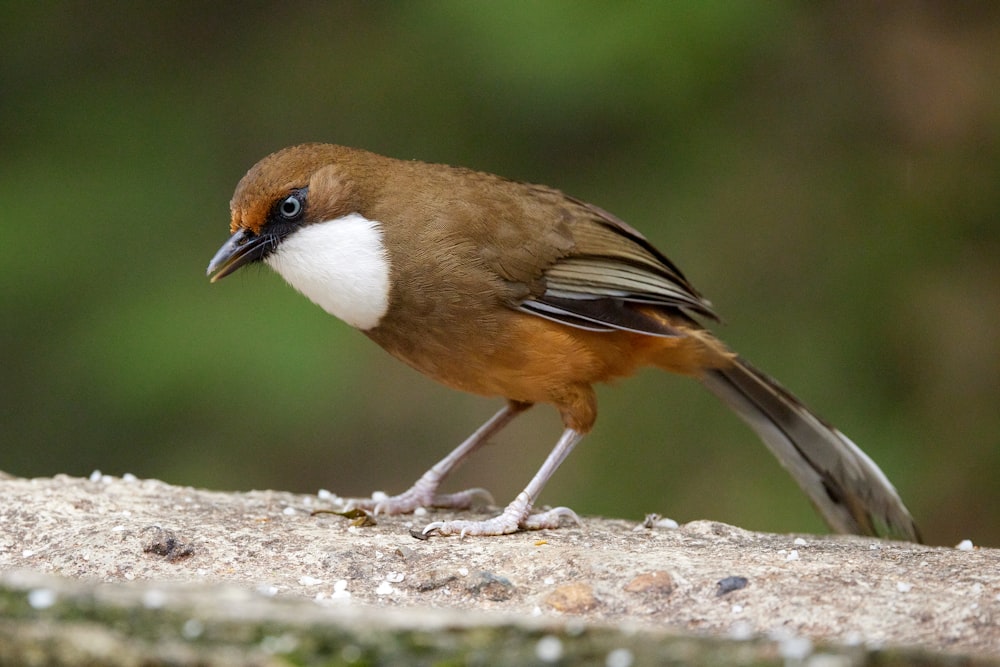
column 423, row 493
column 517, row 515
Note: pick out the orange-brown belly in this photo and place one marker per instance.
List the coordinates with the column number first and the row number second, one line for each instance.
column 535, row 360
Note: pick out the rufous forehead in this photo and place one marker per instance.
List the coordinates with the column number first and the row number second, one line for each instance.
column 250, row 215
column 257, row 191
column 278, row 174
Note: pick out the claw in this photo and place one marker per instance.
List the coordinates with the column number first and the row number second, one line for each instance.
column 553, row 518
column 416, row 497
column 512, row 520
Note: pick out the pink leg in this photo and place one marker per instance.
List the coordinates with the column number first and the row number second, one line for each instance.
column 424, row 492
column 517, row 515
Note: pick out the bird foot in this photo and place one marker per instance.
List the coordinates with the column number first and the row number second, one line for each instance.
column 420, row 496
column 517, row 516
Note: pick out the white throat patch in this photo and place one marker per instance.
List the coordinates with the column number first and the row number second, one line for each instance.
column 341, row 265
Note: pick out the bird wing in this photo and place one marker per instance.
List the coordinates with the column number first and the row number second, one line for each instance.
column 610, row 269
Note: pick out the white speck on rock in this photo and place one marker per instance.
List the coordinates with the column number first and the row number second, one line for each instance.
column 964, row 545
column 340, row 591
column 795, row 648
column 741, row 630
column 154, row 598
column 619, row 657
column 42, row 598
column 192, row 629
column 549, row 649
column 854, row 638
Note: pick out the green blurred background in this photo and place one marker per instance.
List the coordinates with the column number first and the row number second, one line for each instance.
column 827, row 173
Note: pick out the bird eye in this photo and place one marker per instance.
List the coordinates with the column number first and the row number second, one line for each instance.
column 290, row 208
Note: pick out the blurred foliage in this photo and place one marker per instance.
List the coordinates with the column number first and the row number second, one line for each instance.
column 828, row 173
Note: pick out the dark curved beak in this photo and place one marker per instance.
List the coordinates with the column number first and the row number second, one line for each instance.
column 243, row 247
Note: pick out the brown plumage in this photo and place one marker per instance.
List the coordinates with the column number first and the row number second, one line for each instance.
column 515, row 290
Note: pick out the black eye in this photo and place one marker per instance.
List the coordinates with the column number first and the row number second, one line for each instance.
column 291, row 208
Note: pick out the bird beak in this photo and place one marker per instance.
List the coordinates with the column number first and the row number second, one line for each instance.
column 243, row 247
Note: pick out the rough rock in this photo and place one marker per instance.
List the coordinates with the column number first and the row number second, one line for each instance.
column 154, row 543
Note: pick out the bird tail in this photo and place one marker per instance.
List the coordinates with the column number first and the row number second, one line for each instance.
column 847, row 488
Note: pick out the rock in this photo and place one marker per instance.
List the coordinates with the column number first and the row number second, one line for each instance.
column 658, row 582
column 173, row 566
column 575, row 598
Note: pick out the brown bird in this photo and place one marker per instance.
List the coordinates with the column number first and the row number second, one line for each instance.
column 509, row 289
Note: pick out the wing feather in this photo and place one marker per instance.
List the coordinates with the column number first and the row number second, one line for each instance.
column 609, row 270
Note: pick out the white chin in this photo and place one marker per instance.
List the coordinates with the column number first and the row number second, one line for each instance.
column 341, row 265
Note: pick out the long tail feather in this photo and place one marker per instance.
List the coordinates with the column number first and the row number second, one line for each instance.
column 847, row 488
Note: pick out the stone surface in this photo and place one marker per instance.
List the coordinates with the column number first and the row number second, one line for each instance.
column 152, row 538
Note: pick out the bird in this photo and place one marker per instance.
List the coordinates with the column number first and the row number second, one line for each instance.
column 515, row 290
